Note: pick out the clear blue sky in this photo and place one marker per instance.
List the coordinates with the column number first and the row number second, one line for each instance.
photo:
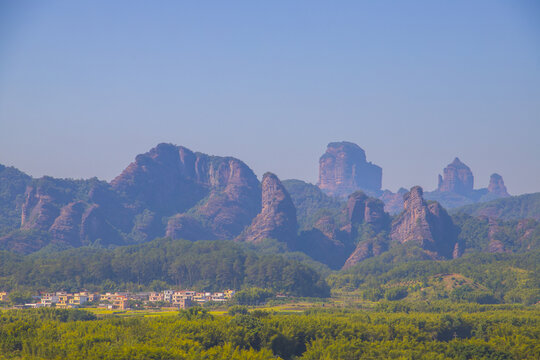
column 87, row 85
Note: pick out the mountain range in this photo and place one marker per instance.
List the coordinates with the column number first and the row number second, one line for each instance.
column 345, row 218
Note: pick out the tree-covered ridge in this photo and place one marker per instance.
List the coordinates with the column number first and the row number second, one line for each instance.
column 311, row 203
column 317, row 334
column 479, row 277
column 13, row 184
column 208, row 265
column 482, row 234
column 512, row 208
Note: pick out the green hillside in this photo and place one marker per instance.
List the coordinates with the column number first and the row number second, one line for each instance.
column 511, row 208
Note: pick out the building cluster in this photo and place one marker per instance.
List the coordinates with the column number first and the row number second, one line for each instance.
column 120, row 300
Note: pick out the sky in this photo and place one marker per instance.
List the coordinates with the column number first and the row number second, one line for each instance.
column 85, row 86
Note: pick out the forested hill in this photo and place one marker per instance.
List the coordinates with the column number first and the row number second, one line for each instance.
column 160, row 264
column 512, row 208
column 478, row 278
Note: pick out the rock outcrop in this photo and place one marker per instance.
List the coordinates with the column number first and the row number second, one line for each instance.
column 496, row 186
column 277, row 219
column 456, row 187
column 457, row 178
column 427, row 225
column 39, row 209
column 343, row 169
column 51, row 206
column 172, row 179
column 366, row 220
column 362, row 209
column 66, row 227
column 363, row 251
column 169, row 180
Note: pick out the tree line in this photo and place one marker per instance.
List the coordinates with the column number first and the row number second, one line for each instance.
column 162, row 263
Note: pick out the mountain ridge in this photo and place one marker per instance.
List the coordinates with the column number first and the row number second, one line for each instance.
column 176, row 192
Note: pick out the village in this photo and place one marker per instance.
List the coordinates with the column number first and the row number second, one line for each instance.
column 181, row 299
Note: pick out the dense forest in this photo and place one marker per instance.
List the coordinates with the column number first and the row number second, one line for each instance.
column 401, row 273
column 162, row 263
column 510, row 333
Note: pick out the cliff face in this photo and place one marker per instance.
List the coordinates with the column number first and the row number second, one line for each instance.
column 55, row 207
column 362, row 209
column 428, row 225
column 457, row 178
column 366, row 222
column 496, row 186
column 343, row 169
column 277, row 219
column 234, row 201
column 38, row 209
column 172, row 179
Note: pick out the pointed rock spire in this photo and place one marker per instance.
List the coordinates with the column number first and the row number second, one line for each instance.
column 428, row 225
column 277, row 220
column 496, row 186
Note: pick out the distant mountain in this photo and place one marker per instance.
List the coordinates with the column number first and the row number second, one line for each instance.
column 343, row 169
column 168, row 190
column 456, row 187
column 174, row 192
column 222, row 194
column 510, row 208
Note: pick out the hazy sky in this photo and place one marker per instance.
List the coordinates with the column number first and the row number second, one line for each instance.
column 87, row 85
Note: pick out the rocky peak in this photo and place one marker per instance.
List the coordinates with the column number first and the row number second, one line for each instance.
column 170, row 179
column 362, row 209
column 428, row 225
column 374, row 213
column 343, row 169
column 413, row 200
column 356, row 207
column 457, row 178
column 496, row 186
column 277, row 218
